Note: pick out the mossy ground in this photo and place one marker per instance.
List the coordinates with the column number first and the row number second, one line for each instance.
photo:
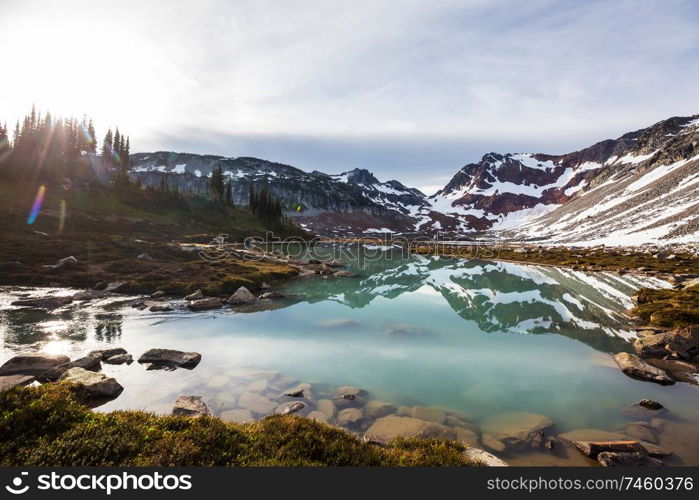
column 47, row 426
column 668, row 307
column 609, row 259
column 107, row 230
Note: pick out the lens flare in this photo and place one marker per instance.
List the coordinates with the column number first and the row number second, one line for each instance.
column 62, row 220
column 36, row 207
column 86, row 134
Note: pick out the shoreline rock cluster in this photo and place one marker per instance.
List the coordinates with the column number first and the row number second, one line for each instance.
column 663, row 356
column 95, row 387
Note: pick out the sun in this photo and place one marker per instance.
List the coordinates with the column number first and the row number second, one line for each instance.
column 78, row 69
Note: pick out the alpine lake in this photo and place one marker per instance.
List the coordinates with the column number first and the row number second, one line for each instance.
column 484, row 348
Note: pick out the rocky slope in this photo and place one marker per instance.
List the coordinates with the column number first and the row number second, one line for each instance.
column 352, row 202
column 642, row 180
column 637, row 188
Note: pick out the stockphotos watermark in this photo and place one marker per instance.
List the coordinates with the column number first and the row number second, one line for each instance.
column 358, row 251
column 103, row 483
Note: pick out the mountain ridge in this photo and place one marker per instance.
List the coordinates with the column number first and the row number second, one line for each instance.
column 509, row 194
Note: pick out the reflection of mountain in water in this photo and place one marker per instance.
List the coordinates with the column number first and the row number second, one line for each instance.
column 501, row 296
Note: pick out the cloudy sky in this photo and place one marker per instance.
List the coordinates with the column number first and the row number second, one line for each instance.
column 408, row 89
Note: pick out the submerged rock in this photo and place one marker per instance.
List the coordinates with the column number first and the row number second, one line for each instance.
column 161, row 307
column 256, row 403
column 645, row 408
column 238, row 416
column 615, row 459
column 429, row 414
column 641, row 432
column 32, row 364
column 327, row 407
column 593, row 448
column 242, row 296
column 492, row 443
column 635, row 367
column 350, row 396
column 318, row 416
column 172, row 358
column 518, row 430
column 376, row 409
column 391, row 427
column 190, row 406
column 95, row 385
column 349, row 416
column 88, row 295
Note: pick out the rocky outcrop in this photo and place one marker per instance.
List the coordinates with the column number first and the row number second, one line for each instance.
column 32, row 364
column 635, row 367
column 677, row 342
column 242, row 296
column 89, row 362
column 93, row 385
column 10, row 381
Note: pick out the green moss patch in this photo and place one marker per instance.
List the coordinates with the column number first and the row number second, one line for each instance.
column 671, row 308
column 47, row 426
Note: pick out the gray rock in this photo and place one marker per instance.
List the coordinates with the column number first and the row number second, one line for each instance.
column 114, row 287
column 635, row 367
column 169, row 357
column 89, row 362
column 466, row 436
column 614, row 459
column 107, row 353
column 144, row 256
column 10, row 381
column 205, row 304
column 163, row 307
column 66, row 263
column 88, row 295
column 484, row 458
column 386, row 429
column 190, row 406
column 158, row 294
column 32, row 364
column 678, row 341
column 95, row 385
column 350, row 396
column 290, row 407
column 194, row 296
column 242, row 296
column 645, row 408
column 43, row 302
column 119, row 359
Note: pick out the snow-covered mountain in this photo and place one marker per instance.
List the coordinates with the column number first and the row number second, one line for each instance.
column 640, row 187
column 546, row 196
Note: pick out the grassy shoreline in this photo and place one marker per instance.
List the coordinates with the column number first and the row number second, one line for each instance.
column 48, row 426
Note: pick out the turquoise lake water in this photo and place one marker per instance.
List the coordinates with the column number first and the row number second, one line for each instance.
column 480, row 337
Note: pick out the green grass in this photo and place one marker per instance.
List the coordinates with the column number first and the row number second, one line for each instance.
column 48, row 426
